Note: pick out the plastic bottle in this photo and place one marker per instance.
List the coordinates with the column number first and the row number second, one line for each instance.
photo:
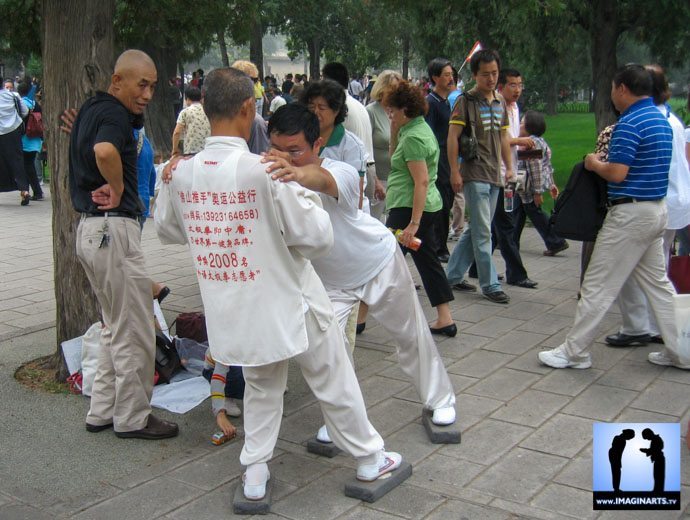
column 508, row 195
column 415, row 243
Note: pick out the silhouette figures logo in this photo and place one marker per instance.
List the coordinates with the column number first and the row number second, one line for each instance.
column 643, row 470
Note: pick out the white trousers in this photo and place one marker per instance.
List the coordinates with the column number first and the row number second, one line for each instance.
column 629, row 244
column 636, row 316
column 393, row 302
column 329, row 373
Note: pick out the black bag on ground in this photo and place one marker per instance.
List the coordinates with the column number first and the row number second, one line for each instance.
column 191, row 325
column 167, row 359
column 580, row 209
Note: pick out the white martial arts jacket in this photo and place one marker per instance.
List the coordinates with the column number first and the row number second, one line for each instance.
column 251, row 239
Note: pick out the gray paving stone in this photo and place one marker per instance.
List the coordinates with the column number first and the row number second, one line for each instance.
column 373, row 491
column 443, row 474
column 674, row 374
column 409, row 502
column 568, row 382
column 377, row 389
column 563, row 435
column 297, row 470
column 392, row 415
column 487, row 442
column 493, row 327
column 461, row 510
column 412, row 442
column 328, row 489
column 531, row 408
column 519, row 475
column 477, row 312
column 516, row 342
column 298, row 428
column 211, row 470
column 529, row 362
column 578, row 473
column 471, row 409
column 664, row 397
column 479, row 363
column 504, row 384
column 600, row 402
column 566, row 500
column 527, row 310
column 539, row 325
column 22, row 512
column 631, row 376
column 241, row 505
column 367, row 512
column 148, row 500
column 525, row 511
column 633, row 415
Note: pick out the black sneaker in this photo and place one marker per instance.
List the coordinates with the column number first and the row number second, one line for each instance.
column 497, row 297
column 464, row 286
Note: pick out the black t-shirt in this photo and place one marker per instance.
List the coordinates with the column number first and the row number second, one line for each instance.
column 287, row 86
column 438, row 118
column 103, row 119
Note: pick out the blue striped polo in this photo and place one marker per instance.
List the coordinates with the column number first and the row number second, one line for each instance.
column 643, row 141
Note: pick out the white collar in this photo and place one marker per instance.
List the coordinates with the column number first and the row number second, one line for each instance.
column 221, row 141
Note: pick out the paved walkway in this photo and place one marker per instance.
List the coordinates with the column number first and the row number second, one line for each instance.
column 526, row 446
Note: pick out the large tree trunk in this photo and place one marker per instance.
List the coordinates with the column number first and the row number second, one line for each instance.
column 406, row 56
column 77, row 62
column 604, row 32
column 256, row 44
column 223, row 48
column 160, row 113
column 314, row 49
column 552, row 96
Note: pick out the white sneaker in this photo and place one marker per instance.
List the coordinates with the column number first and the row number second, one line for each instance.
column 231, row 408
column 322, row 435
column 444, row 416
column 387, row 462
column 255, row 479
column 557, row 358
column 663, row 359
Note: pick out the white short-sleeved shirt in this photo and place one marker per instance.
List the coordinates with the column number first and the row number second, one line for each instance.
column 276, row 103
column 362, row 245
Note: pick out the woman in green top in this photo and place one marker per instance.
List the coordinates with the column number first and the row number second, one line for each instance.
column 413, row 201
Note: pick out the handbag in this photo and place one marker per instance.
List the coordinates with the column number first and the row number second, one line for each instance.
column 167, row 359
column 191, row 325
column 468, row 141
column 34, row 125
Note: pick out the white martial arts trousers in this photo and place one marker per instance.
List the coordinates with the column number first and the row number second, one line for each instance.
column 629, row 244
column 635, row 313
column 393, row 302
column 329, row 373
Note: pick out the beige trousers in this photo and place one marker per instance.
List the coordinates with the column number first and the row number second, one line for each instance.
column 629, row 244
column 393, row 302
column 329, row 374
column 458, row 212
column 117, row 272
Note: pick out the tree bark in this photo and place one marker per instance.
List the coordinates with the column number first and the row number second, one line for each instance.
column 604, row 32
column 552, row 97
column 406, row 56
column 256, row 44
column 223, row 48
column 160, row 113
column 314, row 49
column 77, row 62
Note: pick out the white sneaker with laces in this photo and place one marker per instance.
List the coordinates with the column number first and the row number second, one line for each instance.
column 387, row 462
column 443, row 416
column 322, row 435
column 255, row 479
column 231, row 408
column 663, row 359
column 557, row 358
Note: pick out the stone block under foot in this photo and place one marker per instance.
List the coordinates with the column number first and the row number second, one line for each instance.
column 241, row 505
column 372, row 491
column 325, row 449
column 440, row 434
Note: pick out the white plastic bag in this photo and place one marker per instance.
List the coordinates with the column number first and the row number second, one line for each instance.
column 90, row 348
column 681, row 307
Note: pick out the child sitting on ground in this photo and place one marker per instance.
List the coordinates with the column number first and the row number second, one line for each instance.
column 227, row 384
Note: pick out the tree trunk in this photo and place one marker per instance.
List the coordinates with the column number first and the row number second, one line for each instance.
column 552, row 97
column 314, row 48
column 223, row 48
column 604, row 32
column 160, row 113
column 406, row 56
column 77, row 62
column 256, row 45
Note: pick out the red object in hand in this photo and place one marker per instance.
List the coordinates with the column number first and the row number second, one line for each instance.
column 414, row 244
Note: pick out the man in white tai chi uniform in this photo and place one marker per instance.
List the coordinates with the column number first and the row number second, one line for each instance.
column 251, row 239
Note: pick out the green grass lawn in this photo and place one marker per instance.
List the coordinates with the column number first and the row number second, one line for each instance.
column 570, row 137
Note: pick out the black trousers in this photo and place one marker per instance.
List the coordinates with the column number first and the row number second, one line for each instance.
column 12, row 176
column 31, row 174
column 522, row 210
column 426, row 258
column 503, row 236
column 443, row 222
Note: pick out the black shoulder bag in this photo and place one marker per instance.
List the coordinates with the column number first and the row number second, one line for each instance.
column 468, row 141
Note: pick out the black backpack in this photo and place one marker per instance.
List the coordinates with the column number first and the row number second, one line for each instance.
column 167, row 359
column 580, row 210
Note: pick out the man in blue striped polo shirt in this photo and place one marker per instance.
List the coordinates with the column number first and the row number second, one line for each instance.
column 630, row 241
